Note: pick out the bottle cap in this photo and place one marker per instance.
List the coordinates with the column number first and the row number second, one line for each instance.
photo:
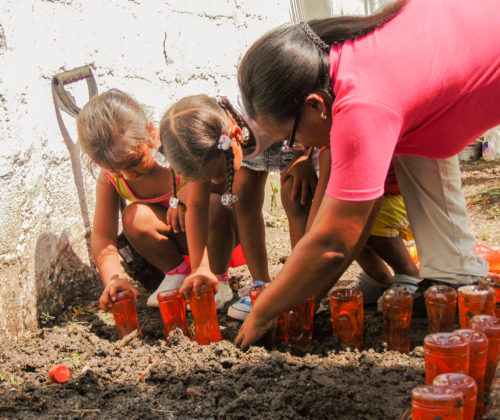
column 59, row 374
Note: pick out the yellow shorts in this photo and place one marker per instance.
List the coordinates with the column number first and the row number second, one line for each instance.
column 392, row 219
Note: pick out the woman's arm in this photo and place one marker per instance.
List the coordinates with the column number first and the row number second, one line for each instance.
column 104, row 250
column 335, row 238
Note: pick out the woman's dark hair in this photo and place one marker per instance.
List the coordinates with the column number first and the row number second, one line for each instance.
column 284, row 66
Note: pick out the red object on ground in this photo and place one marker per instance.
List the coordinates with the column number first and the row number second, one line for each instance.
column 464, row 384
column 475, row 300
column 346, row 306
column 237, row 258
column 436, row 402
column 396, row 313
column 441, row 304
column 59, row 374
column 125, row 314
column 173, row 312
column 492, row 256
column 206, row 324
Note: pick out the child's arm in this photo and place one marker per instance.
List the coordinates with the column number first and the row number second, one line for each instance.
column 325, row 160
column 104, row 250
column 197, row 224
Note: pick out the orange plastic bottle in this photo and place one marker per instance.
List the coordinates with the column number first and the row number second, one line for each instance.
column 298, row 323
column 206, row 324
column 436, row 402
column 493, row 281
column 255, row 292
column 464, row 384
column 397, row 309
column 441, row 304
column 490, row 326
column 346, row 306
column 125, row 313
column 478, row 352
column 173, row 312
column 445, row 352
column 492, row 256
column 475, row 300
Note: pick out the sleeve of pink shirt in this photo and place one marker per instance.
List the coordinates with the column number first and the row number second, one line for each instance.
column 362, row 139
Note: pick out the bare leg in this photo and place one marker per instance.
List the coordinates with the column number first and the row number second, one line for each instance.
column 250, row 188
column 394, row 252
column 145, row 228
column 296, row 213
column 373, row 265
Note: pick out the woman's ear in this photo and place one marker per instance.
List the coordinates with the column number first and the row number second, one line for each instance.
column 315, row 102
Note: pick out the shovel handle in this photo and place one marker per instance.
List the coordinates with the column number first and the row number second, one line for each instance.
column 71, row 76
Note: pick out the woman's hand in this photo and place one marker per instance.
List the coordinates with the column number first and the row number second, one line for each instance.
column 196, row 280
column 115, row 285
column 301, row 169
column 252, row 331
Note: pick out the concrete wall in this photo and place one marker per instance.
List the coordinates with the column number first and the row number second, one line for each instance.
column 44, row 258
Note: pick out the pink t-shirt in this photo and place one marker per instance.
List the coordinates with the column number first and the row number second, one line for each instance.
column 427, row 83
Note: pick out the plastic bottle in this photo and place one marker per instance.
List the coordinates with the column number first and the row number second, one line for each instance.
column 490, row 326
column 436, row 402
column 346, row 307
column 445, row 352
column 475, row 300
column 441, row 304
column 59, row 374
column 125, row 313
column 493, row 280
column 397, row 309
column 173, row 312
column 492, row 256
column 298, row 323
column 478, row 352
column 464, row 384
column 206, row 324
column 255, row 292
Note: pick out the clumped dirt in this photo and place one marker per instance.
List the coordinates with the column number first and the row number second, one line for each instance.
column 148, row 378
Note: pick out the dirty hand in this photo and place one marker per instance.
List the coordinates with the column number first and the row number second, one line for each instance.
column 199, row 278
column 115, row 285
column 251, row 331
column 304, row 177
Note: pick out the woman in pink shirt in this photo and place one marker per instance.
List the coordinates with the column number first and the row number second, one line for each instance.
column 417, row 81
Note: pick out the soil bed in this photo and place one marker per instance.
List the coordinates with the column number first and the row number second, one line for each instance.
column 148, row 378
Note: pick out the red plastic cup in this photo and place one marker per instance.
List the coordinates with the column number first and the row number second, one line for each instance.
column 206, row 324
column 441, row 304
column 255, row 291
column 346, row 306
column 475, row 300
column 298, row 323
column 464, row 384
column 436, row 402
column 125, row 313
column 397, row 310
column 445, row 352
column 478, row 352
column 59, row 374
column 173, row 312
column 493, row 281
column 490, row 326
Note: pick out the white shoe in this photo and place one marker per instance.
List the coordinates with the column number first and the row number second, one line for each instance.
column 242, row 307
column 371, row 288
column 401, row 282
column 169, row 282
column 224, row 295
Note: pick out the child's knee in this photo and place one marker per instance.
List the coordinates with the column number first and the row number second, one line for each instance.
column 135, row 218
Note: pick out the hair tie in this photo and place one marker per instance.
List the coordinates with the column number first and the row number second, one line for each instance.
column 227, row 199
column 224, row 142
column 313, row 36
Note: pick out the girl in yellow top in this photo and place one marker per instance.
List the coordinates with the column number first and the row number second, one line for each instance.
column 114, row 131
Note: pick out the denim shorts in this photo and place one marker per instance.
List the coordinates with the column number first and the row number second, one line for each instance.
column 274, row 159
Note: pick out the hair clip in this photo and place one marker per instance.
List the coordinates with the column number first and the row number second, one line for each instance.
column 224, row 142
column 228, row 199
column 114, row 90
column 246, row 134
column 218, row 99
column 174, row 202
column 160, row 158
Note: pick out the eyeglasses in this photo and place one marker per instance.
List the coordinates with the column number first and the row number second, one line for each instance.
column 291, row 140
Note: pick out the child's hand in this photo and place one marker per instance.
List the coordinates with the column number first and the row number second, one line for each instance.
column 176, row 218
column 117, row 284
column 196, row 280
column 304, row 177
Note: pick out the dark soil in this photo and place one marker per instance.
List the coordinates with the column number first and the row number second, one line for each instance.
column 148, row 378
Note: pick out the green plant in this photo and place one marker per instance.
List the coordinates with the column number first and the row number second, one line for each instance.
column 274, row 196
column 46, row 317
column 75, row 359
column 3, row 377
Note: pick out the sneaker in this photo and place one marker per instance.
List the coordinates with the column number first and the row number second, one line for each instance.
column 371, row 288
column 242, row 307
column 169, row 282
column 224, row 295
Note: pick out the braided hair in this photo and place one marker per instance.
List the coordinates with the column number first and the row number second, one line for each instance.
column 191, row 132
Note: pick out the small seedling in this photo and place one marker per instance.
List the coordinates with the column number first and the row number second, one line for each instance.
column 75, row 359
column 3, row 377
column 46, row 317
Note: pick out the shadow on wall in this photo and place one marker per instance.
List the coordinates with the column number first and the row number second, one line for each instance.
column 61, row 277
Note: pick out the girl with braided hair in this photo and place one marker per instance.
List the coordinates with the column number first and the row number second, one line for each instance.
column 117, row 135
column 211, row 143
